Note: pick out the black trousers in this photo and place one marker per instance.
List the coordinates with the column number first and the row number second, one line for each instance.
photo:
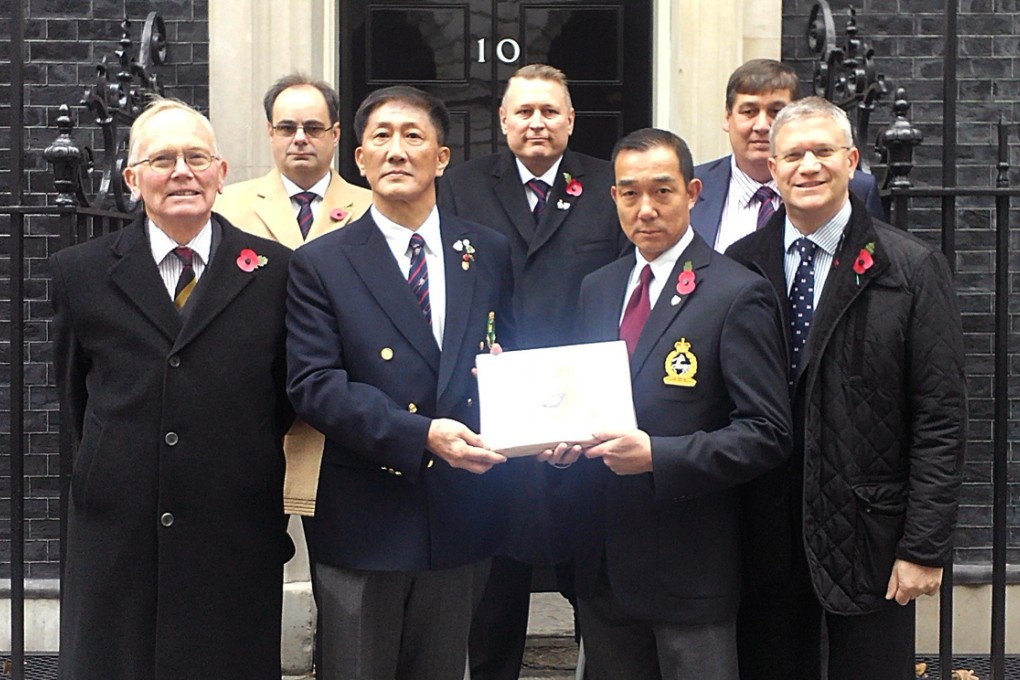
column 499, row 628
column 786, row 635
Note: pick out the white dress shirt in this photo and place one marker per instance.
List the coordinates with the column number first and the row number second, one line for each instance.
column 170, row 266
column 827, row 238
column 740, row 212
column 662, row 266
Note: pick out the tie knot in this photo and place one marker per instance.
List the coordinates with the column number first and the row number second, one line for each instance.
column 805, row 247
column 305, row 197
column 646, row 275
column 539, row 187
column 764, row 194
column 417, row 242
column 184, row 254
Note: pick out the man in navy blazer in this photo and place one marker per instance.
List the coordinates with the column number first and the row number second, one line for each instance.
column 408, row 510
column 554, row 247
column 657, row 510
column 729, row 204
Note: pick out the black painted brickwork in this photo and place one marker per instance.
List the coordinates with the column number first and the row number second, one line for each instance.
column 907, row 36
column 64, row 41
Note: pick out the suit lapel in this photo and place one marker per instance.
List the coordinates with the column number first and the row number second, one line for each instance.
column 137, row 275
column 507, row 186
column 606, row 323
column 707, row 213
column 664, row 311
column 371, row 258
column 221, row 282
column 554, row 216
column 273, row 207
column 460, row 291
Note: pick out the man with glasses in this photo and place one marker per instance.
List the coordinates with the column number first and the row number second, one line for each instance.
column 739, row 194
column 169, row 349
column 860, row 523
column 300, row 199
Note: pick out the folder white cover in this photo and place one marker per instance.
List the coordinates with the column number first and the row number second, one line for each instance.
column 533, row 399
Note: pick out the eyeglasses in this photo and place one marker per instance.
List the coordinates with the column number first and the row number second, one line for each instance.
column 312, row 130
column 166, row 162
column 822, row 153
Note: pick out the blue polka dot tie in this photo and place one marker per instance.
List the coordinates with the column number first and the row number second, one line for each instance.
column 802, row 302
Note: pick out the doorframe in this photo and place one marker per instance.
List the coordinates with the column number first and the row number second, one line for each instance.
column 693, row 53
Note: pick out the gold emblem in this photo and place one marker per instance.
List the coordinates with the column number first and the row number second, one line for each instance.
column 386, row 353
column 412, row 407
column 681, row 365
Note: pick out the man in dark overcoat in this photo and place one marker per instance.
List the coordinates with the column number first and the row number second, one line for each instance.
column 842, row 540
column 169, row 349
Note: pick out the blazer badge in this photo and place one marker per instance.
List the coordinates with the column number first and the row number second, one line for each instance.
column 681, row 365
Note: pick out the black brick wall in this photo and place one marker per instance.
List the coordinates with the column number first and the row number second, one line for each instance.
column 907, row 36
column 64, row 41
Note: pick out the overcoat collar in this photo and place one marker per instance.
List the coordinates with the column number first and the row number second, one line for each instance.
column 136, row 274
column 274, row 208
column 510, row 192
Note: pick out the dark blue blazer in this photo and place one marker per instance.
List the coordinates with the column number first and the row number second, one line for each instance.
column 670, row 538
column 364, row 369
column 715, row 180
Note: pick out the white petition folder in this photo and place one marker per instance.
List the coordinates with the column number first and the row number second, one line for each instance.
column 533, row 399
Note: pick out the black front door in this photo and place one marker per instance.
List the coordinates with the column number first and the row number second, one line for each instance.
column 465, row 52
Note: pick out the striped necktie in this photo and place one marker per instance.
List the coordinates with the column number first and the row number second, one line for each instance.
column 187, row 280
column 766, row 210
column 304, row 216
column 418, row 276
column 541, row 190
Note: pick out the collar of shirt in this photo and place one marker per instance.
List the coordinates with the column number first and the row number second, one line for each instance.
column 162, row 244
column 744, row 186
column 319, row 189
column 398, row 239
column 170, row 266
column 549, row 178
column 740, row 211
column 827, row 238
column 662, row 267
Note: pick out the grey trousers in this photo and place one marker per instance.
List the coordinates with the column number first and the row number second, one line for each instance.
column 395, row 625
column 617, row 647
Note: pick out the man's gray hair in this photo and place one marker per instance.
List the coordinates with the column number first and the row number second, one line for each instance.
column 811, row 107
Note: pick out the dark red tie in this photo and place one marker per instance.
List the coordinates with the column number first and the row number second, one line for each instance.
column 304, row 216
column 639, row 307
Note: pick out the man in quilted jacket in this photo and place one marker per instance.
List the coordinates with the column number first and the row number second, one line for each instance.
column 860, row 522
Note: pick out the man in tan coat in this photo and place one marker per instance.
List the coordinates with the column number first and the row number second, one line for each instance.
column 301, row 198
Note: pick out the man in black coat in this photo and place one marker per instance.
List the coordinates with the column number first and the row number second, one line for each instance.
column 860, row 523
column 656, row 509
column 558, row 234
column 169, row 348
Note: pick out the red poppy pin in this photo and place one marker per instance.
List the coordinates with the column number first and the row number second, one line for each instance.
column 685, row 281
column 574, row 187
column 864, row 260
column 249, row 260
column 341, row 214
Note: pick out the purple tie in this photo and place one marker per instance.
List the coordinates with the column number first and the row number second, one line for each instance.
column 418, row 276
column 639, row 307
column 541, row 190
column 304, row 216
column 765, row 208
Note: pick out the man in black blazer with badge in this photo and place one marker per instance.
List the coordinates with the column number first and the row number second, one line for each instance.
column 553, row 205
column 384, row 320
column 657, row 508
